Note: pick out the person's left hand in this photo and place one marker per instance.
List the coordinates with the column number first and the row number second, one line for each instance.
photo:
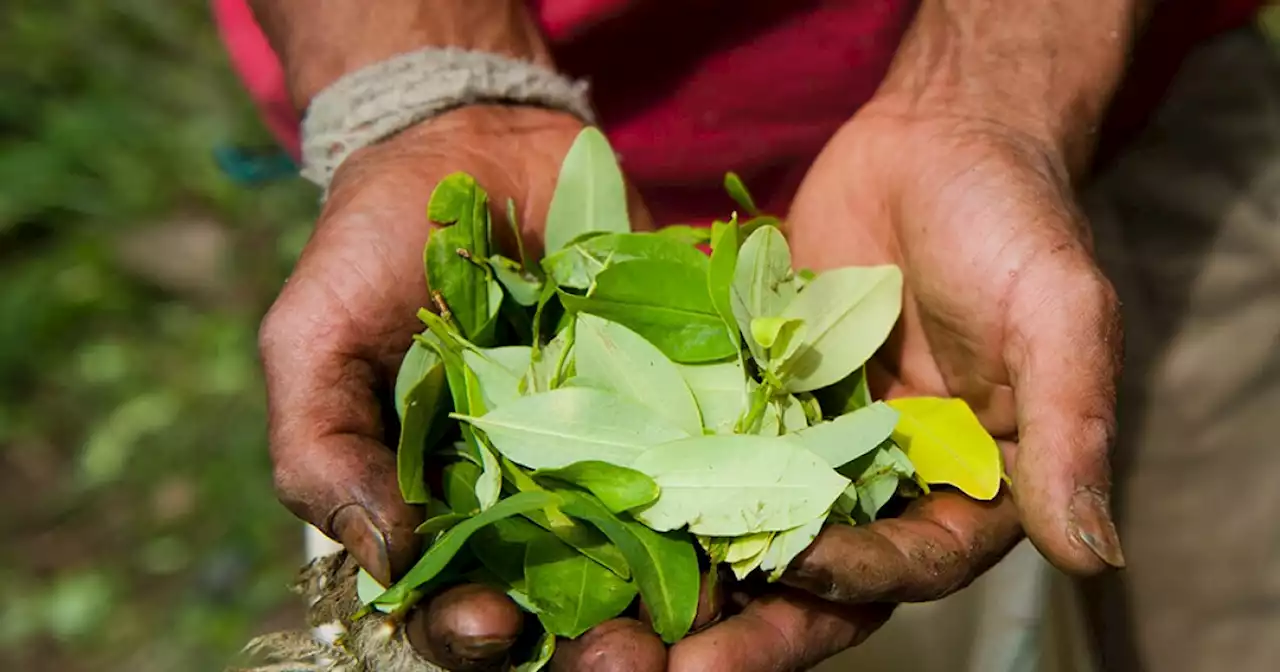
column 1004, row 307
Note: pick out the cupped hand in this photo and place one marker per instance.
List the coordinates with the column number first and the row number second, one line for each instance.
column 333, row 341
column 1004, row 307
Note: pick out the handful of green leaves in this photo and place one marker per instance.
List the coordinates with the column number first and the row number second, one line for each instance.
column 602, row 417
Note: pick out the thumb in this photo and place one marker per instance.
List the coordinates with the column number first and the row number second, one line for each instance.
column 1063, row 355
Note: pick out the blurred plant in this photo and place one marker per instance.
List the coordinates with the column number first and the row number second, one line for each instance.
column 140, row 532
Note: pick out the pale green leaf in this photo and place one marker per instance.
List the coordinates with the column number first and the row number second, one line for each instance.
column 609, row 356
column 745, row 566
column 522, row 286
column 542, row 364
column 734, row 485
column 489, row 484
column 590, row 194
column 720, row 390
column 665, row 302
column 498, row 371
column 848, row 313
column 368, row 589
column 460, row 480
column 761, row 284
column 571, row 593
column 783, row 414
column 572, row 424
column 851, row 436
column 748, row 546
column 664, row 565
column 619, row 488
column 946, row 443
column 786, row 545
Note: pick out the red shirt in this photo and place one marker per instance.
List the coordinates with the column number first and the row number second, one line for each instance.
column 688, row 90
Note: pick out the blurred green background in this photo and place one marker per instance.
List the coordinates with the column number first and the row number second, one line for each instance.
column 139, row 528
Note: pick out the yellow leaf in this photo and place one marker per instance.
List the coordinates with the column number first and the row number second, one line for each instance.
column 947, row 444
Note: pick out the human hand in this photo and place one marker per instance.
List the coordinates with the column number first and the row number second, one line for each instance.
column 333, row 341
column 1004, row 307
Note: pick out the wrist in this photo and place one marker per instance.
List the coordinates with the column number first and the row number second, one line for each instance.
column 318, row 43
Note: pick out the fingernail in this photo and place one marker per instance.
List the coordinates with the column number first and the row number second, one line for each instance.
column 1091, row 524
column 355, row 529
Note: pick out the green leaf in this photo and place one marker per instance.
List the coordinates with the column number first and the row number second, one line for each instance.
column 588, row 540
column 875, row 478
column 686, row 234
column 618, row 488
column 848, row 313
column 541, row 656
column 786, row 545
column 418, row 360
column 437, row 524
column 522, row 286
column 665, row 302
column 489, row 484
column 851, row 436
column 733, row 485
column 664, row 565
column 440, row 553
column 720, row 390
column 573, row 424
column 497, row 372
column 720, row 270
column 946, row 443
column 462, row 278
column 590, row 194
column 761, row 284
column 846, row 396
column 543, row 364
column 577, row 265
column 571, row 593
column 518, row 235
column 459, row 480
column 500, row 547
column 738, row 192
column 422, row 405
column 611, row 357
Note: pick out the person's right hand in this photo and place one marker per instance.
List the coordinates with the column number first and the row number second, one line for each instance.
column 332, row 343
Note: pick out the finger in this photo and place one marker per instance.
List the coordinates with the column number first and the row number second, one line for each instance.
column 785, row 630
column 468, row 627
column 938, row 546
column 619, row 645
column 331, row 467
column 1063, row 357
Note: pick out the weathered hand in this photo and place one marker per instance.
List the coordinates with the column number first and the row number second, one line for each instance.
column 1005, row 307
column 333, row 341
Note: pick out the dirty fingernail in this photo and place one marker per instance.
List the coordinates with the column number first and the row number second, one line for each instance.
column 1091, row 523
column 355, row 529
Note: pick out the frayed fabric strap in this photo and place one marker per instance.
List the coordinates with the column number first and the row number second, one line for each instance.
column 378, row 101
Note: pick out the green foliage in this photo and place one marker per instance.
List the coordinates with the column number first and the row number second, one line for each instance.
column 137, row 492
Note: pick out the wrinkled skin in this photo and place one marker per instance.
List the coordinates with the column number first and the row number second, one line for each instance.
column 1004, row 307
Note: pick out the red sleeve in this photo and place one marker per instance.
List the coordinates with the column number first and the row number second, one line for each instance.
column 259, row 70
